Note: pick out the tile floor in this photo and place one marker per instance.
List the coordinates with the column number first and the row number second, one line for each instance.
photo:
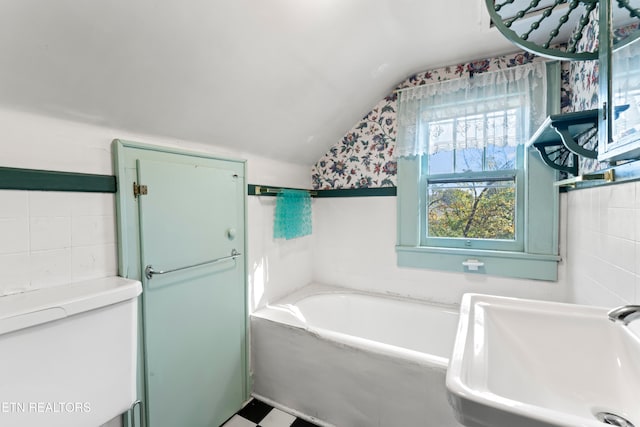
column 259, row 414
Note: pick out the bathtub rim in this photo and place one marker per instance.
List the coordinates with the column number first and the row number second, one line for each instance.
column 315, row 288
column 273, row 314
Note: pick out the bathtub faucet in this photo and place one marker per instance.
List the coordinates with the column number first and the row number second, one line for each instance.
column 625, row 314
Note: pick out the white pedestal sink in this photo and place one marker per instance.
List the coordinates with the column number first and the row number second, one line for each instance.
column 531, row 363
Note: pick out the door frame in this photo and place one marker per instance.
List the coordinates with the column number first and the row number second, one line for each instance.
column 125, row 154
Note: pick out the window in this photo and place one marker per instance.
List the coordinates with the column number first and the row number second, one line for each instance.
column 468, row 188
column 472, row 171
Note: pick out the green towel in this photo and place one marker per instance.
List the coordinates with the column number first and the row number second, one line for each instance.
column 293, row 214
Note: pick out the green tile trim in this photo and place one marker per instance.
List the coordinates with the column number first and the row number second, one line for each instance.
column 346, row 192
column 359, row 192
column 43, row 180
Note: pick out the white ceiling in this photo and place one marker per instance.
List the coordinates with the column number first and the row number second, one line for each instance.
column 279, row 78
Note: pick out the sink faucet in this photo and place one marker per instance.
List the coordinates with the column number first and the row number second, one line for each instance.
column 625, row 314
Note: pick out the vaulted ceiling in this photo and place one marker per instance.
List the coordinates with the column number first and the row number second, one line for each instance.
column 279, row 78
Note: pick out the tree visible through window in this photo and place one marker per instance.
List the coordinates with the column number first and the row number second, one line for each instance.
column 483, row 210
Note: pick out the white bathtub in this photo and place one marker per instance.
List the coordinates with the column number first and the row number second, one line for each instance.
column 353, row 359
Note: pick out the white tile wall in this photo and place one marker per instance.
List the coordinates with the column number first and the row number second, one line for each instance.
column 52, row 238
column 354, row 246
column 276, row 267
column 47, row 238
column 15, row 234
column 603, row 245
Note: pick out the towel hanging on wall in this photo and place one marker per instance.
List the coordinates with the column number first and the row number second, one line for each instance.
column 293, row 214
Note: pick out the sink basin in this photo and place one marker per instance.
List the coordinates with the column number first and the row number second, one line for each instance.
column 528, row 363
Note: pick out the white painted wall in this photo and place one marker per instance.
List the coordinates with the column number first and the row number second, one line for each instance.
column 354, row 246
column 603, row 245
column 276, row 267
column 52, row 238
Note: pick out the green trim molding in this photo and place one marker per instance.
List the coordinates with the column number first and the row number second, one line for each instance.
column 345, row 192
column 44, row 180
column 359, row 192
column 518, row 265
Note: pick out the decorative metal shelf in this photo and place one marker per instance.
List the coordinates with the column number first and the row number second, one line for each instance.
column 562, row 138
column 556, row 28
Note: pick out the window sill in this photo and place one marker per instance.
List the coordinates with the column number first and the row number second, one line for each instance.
column 495, row 263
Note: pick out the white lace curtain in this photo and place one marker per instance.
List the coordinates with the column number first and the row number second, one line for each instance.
column 484, row 93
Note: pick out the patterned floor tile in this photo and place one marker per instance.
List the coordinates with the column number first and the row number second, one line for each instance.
column 255, row 410
column 277, row 418
column 259, row 414
column 238, row 421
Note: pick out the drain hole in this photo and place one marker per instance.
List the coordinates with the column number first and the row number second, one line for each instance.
column 613, row 419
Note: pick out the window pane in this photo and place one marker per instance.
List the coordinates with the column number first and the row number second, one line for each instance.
column 441, row 162
column 500, row 158
column 474, row 143
column 441, row 146
column 472, row 209
column 469, row 160
column 501, row 140
column 469, row 143
column 502, row 127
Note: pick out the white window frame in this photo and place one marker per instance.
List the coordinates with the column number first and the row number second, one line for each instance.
column 537, row 255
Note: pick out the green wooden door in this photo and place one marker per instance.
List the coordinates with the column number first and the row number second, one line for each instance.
column 194, row 318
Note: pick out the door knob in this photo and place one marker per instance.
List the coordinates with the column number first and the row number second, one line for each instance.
column 231, row 233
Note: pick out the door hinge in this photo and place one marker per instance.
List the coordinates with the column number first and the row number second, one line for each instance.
column 139, row 190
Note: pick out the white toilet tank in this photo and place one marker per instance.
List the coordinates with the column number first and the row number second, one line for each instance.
column 68, row 354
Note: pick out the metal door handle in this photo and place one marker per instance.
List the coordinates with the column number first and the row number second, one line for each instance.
column 132, row 413
column 149, row 271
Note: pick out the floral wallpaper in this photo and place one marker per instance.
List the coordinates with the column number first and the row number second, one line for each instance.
column 364, row 157
column 583, row 75
column 583, row 78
